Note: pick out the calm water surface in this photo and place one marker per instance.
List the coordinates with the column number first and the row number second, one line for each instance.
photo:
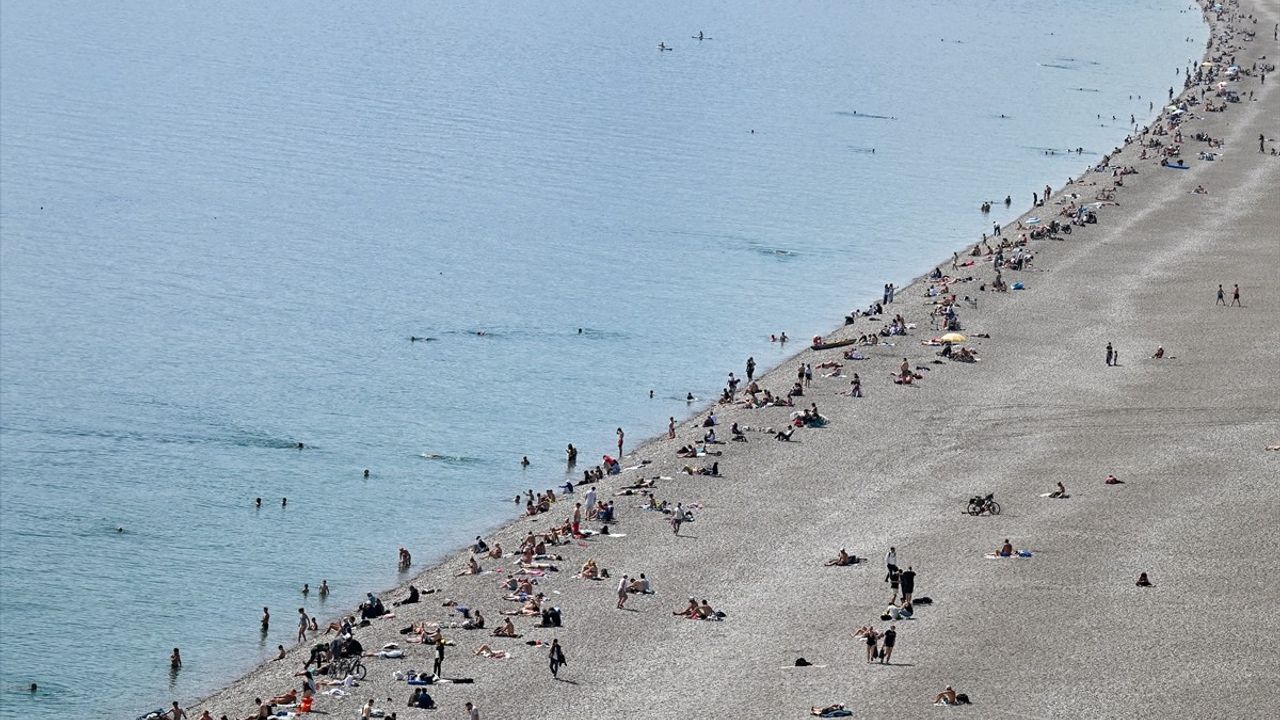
column 222, row 222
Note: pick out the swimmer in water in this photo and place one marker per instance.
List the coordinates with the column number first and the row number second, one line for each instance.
column 119, row 529
column 175, row 659
column 258, row 502
column 700, row 36
column 284, row 502
column 524, row 461
column 324, row 588
column 301, row 446
column 34, row 688
column 366, row 472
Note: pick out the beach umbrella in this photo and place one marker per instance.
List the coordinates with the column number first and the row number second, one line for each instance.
column 952, row 337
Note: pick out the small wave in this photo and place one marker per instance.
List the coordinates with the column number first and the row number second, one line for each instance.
column 869, row 116
column 859, row 149
column 1054, row 65
column 774, row 252
column 1085, row 89
column 441, row 457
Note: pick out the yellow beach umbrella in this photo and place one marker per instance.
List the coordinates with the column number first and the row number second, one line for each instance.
column 952, row 338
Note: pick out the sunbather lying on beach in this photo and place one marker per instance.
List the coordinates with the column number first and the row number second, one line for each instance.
column 488, row 652
column 785, row 435
column 288, row 698
column 1113, row 480
column 830, row 711
column 1061, row 492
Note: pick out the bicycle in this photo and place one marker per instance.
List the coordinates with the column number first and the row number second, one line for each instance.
column 353, row 666
column 980, row 505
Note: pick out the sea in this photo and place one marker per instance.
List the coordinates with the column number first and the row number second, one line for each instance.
column 221, row 224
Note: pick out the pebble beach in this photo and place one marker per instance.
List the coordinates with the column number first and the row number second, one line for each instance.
column 1062, row 633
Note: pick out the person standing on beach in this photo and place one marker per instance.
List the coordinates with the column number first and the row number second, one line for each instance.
column 751, row 368
column 590, row 500
column 620, row 436
column 890, row 637
column 473, row 712
column 890, row 563
column 622, row 592
column 577, row 519
column 677, row 519
column 808, row 374
column 556, row 658
column 907, row 581
column 1111, row 355
column 177, row 713
column 1222, row 296
column 855, row 389
column 439, row 663
column 1235, row 296
column 671, row 428
column 303, row 624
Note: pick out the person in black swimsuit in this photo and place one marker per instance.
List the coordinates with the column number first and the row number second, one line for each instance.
column 890, row 637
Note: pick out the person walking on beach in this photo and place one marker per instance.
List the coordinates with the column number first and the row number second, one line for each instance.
column 751, row 368
column 1235, row 296
column 1222, row 296
column 855, row 389
column 671, row 428
column 677, row 519
column 303, row 623
column 556, row 658
column 808, row 374
column 890, row 563
column 872, row 637
column 620, row 436
column 439, row 663
column 1111, row 355
column 889, row 638
column 622, row 592
column 177, row 713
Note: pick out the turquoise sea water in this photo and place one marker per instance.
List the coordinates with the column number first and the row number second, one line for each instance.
column 220, row 224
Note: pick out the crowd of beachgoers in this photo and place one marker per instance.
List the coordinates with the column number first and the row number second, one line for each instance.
column 405, row 640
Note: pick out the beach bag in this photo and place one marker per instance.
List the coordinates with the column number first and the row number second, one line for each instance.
column 962, row 699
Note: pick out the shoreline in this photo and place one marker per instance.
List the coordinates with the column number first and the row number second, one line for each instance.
column 509, row 529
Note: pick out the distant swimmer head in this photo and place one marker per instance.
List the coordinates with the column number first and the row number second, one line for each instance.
column 34, row 687
column 258, row 502
column 119, row 528
column 366, row 472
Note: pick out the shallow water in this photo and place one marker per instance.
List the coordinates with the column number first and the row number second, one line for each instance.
column 221, row 225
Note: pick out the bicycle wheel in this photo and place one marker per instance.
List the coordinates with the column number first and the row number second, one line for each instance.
column 994, row 507
column 357, row 670
column 974, row 509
